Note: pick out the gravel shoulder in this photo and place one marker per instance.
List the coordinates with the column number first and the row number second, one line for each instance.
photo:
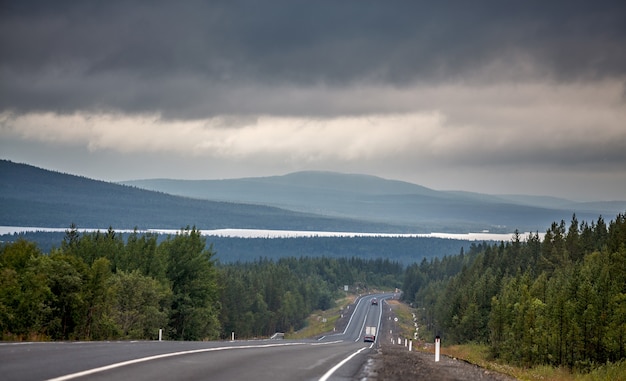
column 394, row 362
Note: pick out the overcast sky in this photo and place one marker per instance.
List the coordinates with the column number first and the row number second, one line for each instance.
column 488, row 96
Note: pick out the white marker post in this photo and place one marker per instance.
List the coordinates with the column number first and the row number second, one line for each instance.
column 410, row 345
column 160, row 334
column 232, row 336
column 437, row 345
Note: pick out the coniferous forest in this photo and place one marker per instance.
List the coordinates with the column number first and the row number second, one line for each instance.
column 558, row 301
column 98, row 286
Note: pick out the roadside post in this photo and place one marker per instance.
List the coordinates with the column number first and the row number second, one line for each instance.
column 437, row 345
column 160, row 334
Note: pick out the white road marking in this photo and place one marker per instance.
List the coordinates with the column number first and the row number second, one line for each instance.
column 328, row 342
column 334, row 368
column 165, row 355
column 156, row 357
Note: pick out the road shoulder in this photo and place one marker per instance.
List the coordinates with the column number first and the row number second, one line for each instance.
column 394, row 362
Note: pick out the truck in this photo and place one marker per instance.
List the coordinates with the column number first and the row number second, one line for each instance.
column 370, row 334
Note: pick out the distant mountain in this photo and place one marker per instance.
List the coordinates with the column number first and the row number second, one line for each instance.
column 605, row 208
column 380, row 200
column 324, row 201
column 317, row 192
column 31, row 196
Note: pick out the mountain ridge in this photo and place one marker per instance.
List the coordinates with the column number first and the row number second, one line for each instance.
column 32, row 196
column 308, row 200
column 377, row 199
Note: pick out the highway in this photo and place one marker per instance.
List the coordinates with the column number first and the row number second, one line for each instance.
column 334, row 357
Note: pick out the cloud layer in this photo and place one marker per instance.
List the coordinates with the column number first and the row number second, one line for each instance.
column 200, row 59
column 409, row 90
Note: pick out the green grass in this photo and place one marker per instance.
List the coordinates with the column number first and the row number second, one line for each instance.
column 479, row 354
column 609, row 372
column 405, row 318
column 321, row 322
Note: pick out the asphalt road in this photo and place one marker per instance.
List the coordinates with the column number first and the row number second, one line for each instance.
column 335, row 357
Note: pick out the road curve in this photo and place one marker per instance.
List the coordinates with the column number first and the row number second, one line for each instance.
column 333, row 357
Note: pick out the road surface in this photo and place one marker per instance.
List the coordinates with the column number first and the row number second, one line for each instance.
column 334, row 357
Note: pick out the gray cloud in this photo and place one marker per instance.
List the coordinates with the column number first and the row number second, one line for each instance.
column 196, row 59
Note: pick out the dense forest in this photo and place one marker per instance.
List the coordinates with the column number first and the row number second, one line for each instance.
column 264, row 296
column 560, row 301
column 98, row 286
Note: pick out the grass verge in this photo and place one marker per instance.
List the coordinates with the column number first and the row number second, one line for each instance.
column 405, row 318
column 479, row 354
column 321, row 322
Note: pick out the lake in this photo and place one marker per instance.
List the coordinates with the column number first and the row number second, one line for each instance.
column 262, row 233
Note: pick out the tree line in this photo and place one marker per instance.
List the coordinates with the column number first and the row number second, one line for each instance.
column 559, row 301
column 99, row 286
column 266, row 296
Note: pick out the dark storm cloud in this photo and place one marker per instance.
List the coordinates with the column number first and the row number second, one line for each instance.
column 194, row 59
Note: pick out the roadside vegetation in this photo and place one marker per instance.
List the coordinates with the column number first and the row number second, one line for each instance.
column 556, row 304
column 480, row 354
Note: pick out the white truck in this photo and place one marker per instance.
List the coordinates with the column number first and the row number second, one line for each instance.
column 370, row 334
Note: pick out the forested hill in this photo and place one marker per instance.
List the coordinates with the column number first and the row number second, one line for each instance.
column 31, row 196
column 390, row 201
column 558, row 302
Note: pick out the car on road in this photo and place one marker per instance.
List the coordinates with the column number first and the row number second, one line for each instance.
column 374, row 302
